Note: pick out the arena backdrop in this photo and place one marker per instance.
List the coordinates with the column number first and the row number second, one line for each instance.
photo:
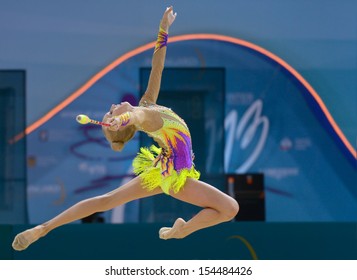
column 273, row 123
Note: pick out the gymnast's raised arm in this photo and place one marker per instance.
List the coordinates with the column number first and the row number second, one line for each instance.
column 158, row 60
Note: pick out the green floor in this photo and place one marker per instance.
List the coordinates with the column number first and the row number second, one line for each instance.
column 243, row 240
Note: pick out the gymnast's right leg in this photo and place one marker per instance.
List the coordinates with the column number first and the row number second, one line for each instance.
column 128, row 192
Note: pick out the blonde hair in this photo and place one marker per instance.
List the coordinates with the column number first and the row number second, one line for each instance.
column 118, row 139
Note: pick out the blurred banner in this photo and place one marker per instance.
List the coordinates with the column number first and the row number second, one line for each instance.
column 272, row 123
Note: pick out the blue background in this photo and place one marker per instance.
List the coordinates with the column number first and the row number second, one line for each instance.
column 61, row 46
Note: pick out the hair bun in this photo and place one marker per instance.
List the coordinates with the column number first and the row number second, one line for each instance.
column 117, row 146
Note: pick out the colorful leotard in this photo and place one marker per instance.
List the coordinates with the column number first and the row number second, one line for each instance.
column 168, row 166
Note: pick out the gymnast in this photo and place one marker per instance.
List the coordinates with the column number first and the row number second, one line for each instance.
column 163, row 168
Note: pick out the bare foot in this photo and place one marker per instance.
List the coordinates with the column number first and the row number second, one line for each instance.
column 26, row 238
column 173, row 232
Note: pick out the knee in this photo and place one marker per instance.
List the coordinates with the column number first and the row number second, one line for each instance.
column 231, row 209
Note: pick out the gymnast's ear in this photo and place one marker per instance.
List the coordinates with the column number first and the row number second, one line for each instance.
column 117, row 146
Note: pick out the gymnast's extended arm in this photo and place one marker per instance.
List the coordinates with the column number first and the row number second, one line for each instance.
column 158, row 60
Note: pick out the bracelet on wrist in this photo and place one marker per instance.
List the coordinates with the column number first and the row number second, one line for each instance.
column 124, row 119
column 161, row 39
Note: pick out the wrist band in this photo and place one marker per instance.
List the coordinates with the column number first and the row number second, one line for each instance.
column 161, row 39
column 124, row 119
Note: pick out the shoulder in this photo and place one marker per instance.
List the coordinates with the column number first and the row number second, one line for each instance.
column 145, row 102
column 148, row 118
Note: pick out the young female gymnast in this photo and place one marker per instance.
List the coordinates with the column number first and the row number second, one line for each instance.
column 166, row 169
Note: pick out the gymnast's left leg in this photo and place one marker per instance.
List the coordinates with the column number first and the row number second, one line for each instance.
column 218, row 207
column 121, row 195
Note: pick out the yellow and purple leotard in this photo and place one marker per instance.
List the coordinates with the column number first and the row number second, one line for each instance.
column 169, row 165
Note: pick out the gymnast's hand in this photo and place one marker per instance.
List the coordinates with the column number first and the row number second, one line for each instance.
column 115, row 124
column 168, row 18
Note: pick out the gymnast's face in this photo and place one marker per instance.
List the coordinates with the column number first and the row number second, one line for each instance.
column 118, row 109
column 117, row 139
